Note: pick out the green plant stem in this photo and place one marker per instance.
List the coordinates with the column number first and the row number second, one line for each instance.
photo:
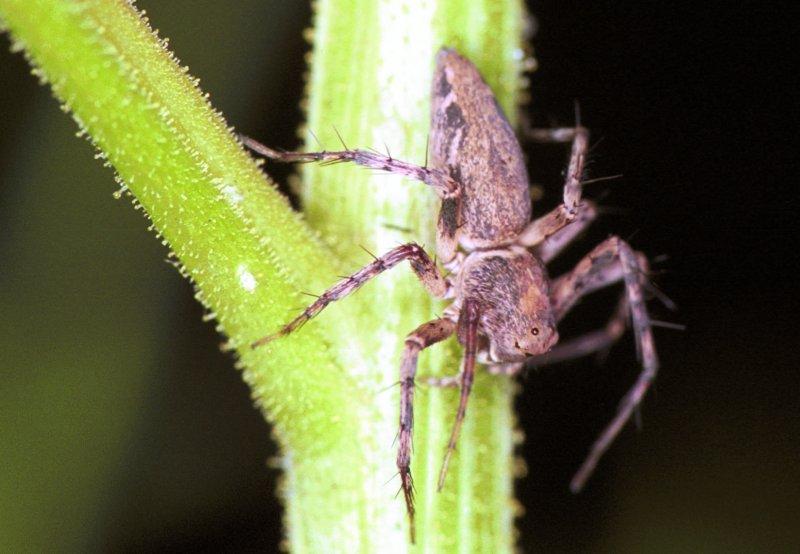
column 370, row 78
column 326, row 388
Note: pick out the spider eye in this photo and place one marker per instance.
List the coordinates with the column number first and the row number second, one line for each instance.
column 535, row 331
column 516, row 344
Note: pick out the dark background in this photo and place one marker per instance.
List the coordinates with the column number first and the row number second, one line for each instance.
column 124, row 428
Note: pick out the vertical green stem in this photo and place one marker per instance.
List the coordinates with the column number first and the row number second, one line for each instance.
column 370, row 78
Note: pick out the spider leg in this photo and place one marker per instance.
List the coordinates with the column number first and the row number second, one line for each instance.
column 577, row 161
column 468, row 336
column 421, row 263
column 549, row 235
column 610, row 261
column 425, row 335
column 571, row 206
column 439, row 180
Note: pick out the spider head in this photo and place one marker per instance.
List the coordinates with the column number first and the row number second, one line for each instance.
column 523, row 337
column 513, row 290
column 538, row 338
column 531, row 337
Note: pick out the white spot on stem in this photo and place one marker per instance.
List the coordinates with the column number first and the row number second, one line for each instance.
column 246, row 279
column 232, row 194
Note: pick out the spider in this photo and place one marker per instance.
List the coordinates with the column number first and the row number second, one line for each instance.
column 504, row 308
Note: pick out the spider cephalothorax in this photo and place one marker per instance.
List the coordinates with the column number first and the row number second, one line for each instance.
column 504, row 306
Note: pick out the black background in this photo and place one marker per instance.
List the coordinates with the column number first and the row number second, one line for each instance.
column 692, row 104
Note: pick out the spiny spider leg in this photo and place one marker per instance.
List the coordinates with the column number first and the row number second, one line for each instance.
column 424, row 336
column 567, row 212
column 553, row 244
column 551, row 233
column 468, row 336
column 608, row 262
column 598, row 269
column 438, row 179
column 421, row 263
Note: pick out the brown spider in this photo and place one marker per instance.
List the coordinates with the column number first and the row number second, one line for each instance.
column 504, row 307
